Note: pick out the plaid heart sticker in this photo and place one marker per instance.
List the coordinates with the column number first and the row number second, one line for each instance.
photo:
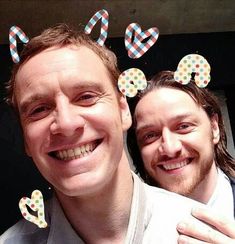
column 137, row 48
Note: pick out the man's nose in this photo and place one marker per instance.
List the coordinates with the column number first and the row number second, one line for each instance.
column 67, row 119
column 170, row 144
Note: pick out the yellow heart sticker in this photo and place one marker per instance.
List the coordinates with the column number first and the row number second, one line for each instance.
column 37, row 205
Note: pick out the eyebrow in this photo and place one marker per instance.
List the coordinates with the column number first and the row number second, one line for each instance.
column 176, row 118
column 37, row 97
column 87, row 84
column 32, row 99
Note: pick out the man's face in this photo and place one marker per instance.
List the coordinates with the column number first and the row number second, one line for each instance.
column 72, row 119
column 176, row 139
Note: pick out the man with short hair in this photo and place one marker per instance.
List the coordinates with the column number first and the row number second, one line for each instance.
column 73, row 119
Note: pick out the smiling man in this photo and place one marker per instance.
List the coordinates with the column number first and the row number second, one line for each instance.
column 73, row 119
column 179, row 133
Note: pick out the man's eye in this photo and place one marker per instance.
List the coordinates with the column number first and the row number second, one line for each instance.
column 86, row 99
column 149, row 138
column 185, row 127
column 39, row 112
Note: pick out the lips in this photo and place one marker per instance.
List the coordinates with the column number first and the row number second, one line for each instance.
column 167, row 166
column 76, row 152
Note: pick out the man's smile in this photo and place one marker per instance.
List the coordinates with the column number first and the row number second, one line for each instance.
column 76, row 152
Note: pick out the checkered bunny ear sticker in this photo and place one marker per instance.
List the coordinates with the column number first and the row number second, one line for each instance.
column 104, row 16
column 130, row 81
column 135, row 40
column 37, row 205
column 13, row 32
column 193, row 63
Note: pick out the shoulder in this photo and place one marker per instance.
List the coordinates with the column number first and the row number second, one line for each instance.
column 24, row 232
column 168, row 205
column 232, row 180
column 164, row 211
column 159, row 194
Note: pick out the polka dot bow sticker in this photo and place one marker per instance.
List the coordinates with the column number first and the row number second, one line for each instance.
column 130, row 81
column 37, row 205
column 134, row 40
column 193, row 63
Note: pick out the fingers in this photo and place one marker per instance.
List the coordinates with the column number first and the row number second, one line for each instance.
column 221, row 223
column 200, row 232
column 189, row 240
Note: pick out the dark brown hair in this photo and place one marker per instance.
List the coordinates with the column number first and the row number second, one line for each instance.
column 204, row 99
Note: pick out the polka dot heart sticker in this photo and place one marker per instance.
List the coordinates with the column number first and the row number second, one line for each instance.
column 37, row 205
column 130, row 81
column 193, row 63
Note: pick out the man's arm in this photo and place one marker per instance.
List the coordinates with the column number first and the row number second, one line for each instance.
column 216, row 229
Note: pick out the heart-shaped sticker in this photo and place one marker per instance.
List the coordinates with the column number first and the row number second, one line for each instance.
column 37, row 205
column 134, row 38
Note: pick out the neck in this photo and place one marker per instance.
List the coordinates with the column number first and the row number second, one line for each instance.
column 206, row 187
column 105, row 213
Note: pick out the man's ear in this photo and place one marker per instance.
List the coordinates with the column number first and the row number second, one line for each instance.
column 27, row 149
column 125, row 113
column 215, row 129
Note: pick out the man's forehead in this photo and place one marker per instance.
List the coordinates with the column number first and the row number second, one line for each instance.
column 63, row 58
column 180, row 104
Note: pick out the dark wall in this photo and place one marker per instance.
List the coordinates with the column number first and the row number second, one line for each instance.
column 217, row 48
column 19, row 177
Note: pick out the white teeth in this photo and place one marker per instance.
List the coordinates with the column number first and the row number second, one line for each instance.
column 60, row 154
column 83, row 149
column 174, row 166
column 77, row 152
column 64, row 154
column 70, row 153
column 87, row 147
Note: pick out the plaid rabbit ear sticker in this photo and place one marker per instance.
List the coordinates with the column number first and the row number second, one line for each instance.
column 13, row 32
column 104, row 16
column 130, row 81
column 193, row 63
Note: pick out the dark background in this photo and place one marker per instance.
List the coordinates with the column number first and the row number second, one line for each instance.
column 19, row 177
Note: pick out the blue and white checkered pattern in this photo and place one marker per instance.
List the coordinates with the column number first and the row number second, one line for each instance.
column 104, row 16
column 16, row 31
column 137, row 48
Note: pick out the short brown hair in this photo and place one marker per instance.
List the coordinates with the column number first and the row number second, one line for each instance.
column 205, row 99
column 59, row 36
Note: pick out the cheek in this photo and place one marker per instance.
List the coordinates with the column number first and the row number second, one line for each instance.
column 33, row 132
column 198, row 141
column 147, row 154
